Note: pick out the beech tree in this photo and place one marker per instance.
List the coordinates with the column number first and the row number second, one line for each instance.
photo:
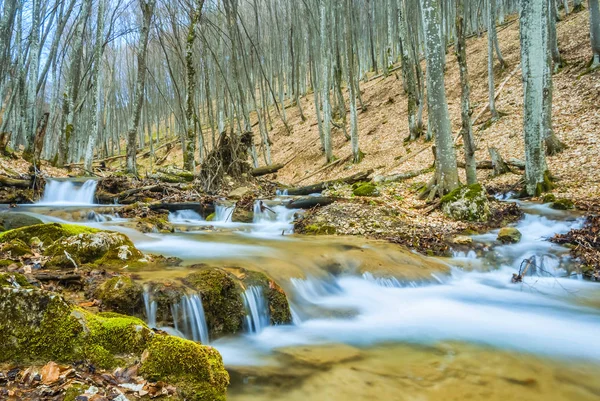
column 594, row 6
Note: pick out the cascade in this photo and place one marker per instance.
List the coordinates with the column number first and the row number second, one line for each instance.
column 69, row 193
column 257, row 309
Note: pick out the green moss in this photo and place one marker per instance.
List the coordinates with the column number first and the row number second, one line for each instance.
column 221, row 300
column 121, row 294
column 562, row 204
column 10, row 221
column 74, row 391
column 279, row 308
column 15, row 248
column 466, row 203
column 210, row 217
column 47, row 233
column 14, row 280
column 319, row 229
column 548, row 198
column 365, row 189
column 5, row 262
column 196, row 370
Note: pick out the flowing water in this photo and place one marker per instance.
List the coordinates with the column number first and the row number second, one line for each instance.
column 69, row 193
column 372, row 321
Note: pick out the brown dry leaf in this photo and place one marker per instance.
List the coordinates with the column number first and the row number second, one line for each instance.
column 50, row 373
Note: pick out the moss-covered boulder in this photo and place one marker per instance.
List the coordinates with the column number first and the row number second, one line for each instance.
column 221, row 300
column 562, row 204
column 10, row 280
column 14, row 249
column 196, row 370
column 467, row 203
column 509, row 235
column 47, row 233
column 37, row 326
column 121, row 294
column 548, row 198
column 365, row 189
column 279, row 308
column 104, row 249
column 10, row 221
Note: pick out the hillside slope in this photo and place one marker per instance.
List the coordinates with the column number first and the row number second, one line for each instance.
column 383, row 126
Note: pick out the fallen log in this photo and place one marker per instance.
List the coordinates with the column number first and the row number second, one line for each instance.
column 403, row 176
column 317, row 188
column 61, row 277
column 14, row 182
column 308, row 202
column 488, row 165
column 260, row 171
column 203, row 209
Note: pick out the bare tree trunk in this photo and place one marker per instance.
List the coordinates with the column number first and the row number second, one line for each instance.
column 466, row 129
column 535, row 65
column 491, row 87
column 356, row 153
column 439, row 119
column 138, row 99
column 408, row 74
column 96, row 93
column 594, row 6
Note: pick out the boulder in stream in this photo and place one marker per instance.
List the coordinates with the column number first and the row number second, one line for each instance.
column 467, row 203
column 121, row 294
column 10, row 221
column 37, row 326
column 562, row 204
column 509, row 235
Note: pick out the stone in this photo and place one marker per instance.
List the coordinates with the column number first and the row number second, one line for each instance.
column 467, row 203
column 239, row 193
column 242, row 215
column 321, row 355
column 562, row 204
column 122, row 295
column 10, row 221
column 509, row 235
column 365, row 189
column 462, row 240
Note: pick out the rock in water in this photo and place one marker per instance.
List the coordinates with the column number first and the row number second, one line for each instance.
column 468, row 203
column 509, row 235
column 562, row 204
column 239, row 193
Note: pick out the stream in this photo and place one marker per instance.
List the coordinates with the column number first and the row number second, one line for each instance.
column 372, row 321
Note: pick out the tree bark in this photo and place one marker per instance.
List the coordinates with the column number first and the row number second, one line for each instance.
column 594, row 6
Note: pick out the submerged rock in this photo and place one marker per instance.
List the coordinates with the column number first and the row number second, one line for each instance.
column 468, row 203
column 38, row 326
column 10, row 221
column 221, row 300
column 509, row 235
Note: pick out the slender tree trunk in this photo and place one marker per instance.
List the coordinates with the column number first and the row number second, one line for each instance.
column 409, row 76
column 594, row 6
column 96, row 93
column 356, row 153
column 325, row 81
column 577, row 6
column 138, row 99
column 439, row 119
column 535, row 66
column 491, row 87
column 466, row 129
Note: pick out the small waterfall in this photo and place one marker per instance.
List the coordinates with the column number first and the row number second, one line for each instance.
column 224, row 213
column 69, row 193
column 189, row 318
column 257, row 309
column 151, row 308
column 185, row 216
column 275, row 219
column 282, row 192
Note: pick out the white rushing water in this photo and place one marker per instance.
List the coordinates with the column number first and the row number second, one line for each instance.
column 189, row 318
column 68, row 193
column 151, row 308
column 257, row 310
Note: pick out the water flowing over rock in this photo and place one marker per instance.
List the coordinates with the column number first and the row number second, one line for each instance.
column 189, row 318
column 69, row 193
column 257, row 310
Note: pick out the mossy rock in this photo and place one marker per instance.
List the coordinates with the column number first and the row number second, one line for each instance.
column 549, row 198
column 37, row 326
column 15, row 248
column 14, row 280
column 103, row 249
column 562, row 204
column 509, row 235
column 195, row 369
column 121, row 294
column 467, row 203
column 153, row 225
column 279, row 307
column 221, row 300
column 10, row 221
column 211, row 217
column 47, row 233
column 242, row 216
column 365, row 189
column 319, row 229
